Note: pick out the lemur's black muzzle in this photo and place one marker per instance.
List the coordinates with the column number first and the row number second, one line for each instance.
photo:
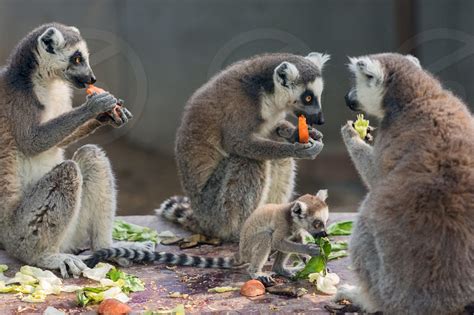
column 320, row 234
column 314, row 115
column 351, row 100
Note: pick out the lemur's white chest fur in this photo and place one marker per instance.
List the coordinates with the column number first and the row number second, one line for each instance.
column 56, row 99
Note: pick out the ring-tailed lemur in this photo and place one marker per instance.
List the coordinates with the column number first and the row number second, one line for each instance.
column 412, row 246
column 233, row 147
column 49, row 205
column 270, row 227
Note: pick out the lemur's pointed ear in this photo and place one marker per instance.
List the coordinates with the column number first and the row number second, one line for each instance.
column 322, row 194
column 319, row 59
column 286, row 74
column 414, row 60
column 299, row 209
column 51, row 40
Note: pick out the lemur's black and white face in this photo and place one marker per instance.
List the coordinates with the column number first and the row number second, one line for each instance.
column 60, row 58
column 369, row 84
column 311, row 213
column 300, row 96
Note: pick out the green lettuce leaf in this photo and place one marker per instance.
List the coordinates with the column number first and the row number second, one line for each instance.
column 340, row 228
column 124, row 231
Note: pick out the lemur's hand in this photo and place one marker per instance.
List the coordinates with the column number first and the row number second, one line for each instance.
column 315, row 134
column 308, row 150
column 286, row 131
column 348, row 131
column 117, row 117
column 100, row 103
column 313, row 250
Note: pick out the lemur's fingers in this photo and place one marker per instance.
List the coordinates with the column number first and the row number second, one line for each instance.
column 63, row 270
column 73, row 269
column 128, row 113
column 122, row 115
column 80, row 264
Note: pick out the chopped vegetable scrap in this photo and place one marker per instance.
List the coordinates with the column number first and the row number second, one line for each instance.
column 124, row 231
column 222, row 289
column 252, row 288
column 115, row 284
column 178, row 310
column 361, row 125
column 316, row 268
column 303, row 132
column 113, row 306
column 33, row 284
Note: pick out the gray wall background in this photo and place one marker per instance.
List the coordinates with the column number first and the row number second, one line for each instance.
column 154, row 54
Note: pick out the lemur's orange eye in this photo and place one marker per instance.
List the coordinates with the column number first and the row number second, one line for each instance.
column 308, row 98
column 77, row 60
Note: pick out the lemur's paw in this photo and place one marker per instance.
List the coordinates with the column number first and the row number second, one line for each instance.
column 285, row 131
column 315, row 134
column 66, row 263
column 265, row 278
column 346, row 292
column 287, row 272
column 348, row 131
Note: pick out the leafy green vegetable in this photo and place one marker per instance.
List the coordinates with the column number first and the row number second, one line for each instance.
column 124, row 231
column 340, row 228
column 338, row 254
column 329, row 251
column 361, row 126
column 338, row 246
column 131, row 283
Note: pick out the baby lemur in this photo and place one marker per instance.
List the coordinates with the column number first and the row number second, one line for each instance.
column 412, row 247
column 275, row 227
column 232, row 149
column 50, row 206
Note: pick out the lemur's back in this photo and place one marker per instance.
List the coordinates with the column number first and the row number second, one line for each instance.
column 9, row 183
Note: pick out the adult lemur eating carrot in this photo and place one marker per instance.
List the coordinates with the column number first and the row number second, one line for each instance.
column 233, row 150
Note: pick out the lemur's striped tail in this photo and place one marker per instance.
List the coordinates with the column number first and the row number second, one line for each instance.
column 137, row 255
column 178, row 209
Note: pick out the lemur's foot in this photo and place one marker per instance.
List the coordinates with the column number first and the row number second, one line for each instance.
column 287, row 272
column 265, row 278
column 66, row 263
column 356, row 297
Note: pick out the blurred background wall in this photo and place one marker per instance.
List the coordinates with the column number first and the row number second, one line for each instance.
column 155, row 53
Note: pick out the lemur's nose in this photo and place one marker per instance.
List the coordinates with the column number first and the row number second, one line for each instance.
column 92, row 80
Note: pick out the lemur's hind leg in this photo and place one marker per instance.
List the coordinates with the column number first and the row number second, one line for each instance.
column 98, row 201
column 282, row 181
column 231, row 194
column 258, row 258
column 43, row 219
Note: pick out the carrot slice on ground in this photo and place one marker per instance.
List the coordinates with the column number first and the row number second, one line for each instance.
column 303, row 133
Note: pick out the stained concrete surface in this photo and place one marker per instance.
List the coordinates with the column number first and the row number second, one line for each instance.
column 160, row 280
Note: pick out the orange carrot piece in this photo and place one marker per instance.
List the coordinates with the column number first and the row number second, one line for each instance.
column 94, row 89
column 303, row 133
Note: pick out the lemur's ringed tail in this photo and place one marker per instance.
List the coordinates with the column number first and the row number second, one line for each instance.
column 136, row 255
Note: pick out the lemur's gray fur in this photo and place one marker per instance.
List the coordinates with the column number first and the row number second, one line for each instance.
column 276, row 227
column 51, row 206
column 232, row 148
column 412, row 247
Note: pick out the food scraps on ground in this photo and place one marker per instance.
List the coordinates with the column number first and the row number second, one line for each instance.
column 115, row 284
column 113, row 307
column 124, row 231
column 222, row 289
column 252, row 288
column 316, row 268
column 178, row 310
column 288, row 290
column 178, row 295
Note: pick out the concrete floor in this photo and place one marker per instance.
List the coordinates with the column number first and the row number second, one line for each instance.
column 160, row 280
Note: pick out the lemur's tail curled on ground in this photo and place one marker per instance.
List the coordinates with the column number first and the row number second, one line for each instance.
column 138, row 255
column 178, row 209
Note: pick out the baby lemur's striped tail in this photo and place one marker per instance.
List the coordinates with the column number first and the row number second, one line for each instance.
column 178, row 209
column 139, row 255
